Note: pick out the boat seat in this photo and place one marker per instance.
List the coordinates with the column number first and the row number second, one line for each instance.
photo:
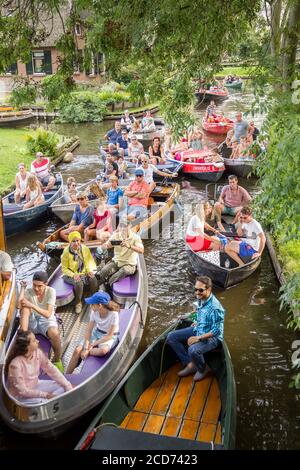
column 45, row 344
column 10, row 208
column 64, row 291
column 125, row 288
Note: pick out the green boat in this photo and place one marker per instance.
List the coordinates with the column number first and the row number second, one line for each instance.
column 153, row 408
column 236, row 85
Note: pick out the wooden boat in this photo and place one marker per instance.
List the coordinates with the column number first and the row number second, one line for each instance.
column 159, row 210
column 236, row 84
column 216, row 94
column 241, row 166
column 96, row 377
column 198, row 167
column 10, row 117
column 17, row 219
column 152, row 408
column 218, row 128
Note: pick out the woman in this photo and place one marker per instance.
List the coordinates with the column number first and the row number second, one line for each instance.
column 102, row 332
column 235, row 152
column 197, row 239
column 101, row 228
column 21, row 183
column 78, row 268
column 155, row 151
column 115, row 194
column 149, row 169
column 135, row 148
column 127, row 120
column 136, row 127
column 195, row 140
column 34, row 193
column 70, row 194
column 82, row 216
column 23, row 369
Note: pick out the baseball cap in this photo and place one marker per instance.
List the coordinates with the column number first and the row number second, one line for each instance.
column 98, row 298
column 139, row 172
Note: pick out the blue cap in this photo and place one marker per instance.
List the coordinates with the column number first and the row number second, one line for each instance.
column 139, row 172
column 98, row 298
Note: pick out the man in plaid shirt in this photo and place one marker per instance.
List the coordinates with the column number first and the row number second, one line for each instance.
column 204, row 335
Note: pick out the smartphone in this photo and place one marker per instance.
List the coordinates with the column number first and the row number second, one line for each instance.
column 115, row 242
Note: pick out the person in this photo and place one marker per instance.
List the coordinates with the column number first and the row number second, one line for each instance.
column 23, row 367
column 34, row 194
column 156, row 151
column 82, row 216
column 37, row 312
column 226, row 146
column 254, row 243
column 233, row 197
column 138, row 193
column 136, row 127
column 211, row 109
column 253, row 130
column 149, row 169
column 168, row 141
column 70, row 194
column 195, row 140
column 205, row 335
column 124, row 262
column 111, row 167
column 196, row 237
column 101, row 227
column 135, row 148
column 40, row 167
column 78, row 268
column 235, row 149
column 122, row 167
column 122, row 143
column 148, row 124
column 102, row 333
column 240, row 126
column 6, row 266
column 115, row 195
column 243, row 149
column 127, row 120
column 21, row 183
column 114, row 133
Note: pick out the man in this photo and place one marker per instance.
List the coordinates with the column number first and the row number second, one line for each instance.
column 253, row 245
column 6, row 266
column 240, row 127
column 111, row 166
column 125, row 258
column 122, row 143
column 138, row 194
column 211, row 109
column 148, row 124
column 114, row 133
column 233, row 197
column 253, row 130
column 37, row 307
column 204, row 335
column 149, row 169
column 40, row 167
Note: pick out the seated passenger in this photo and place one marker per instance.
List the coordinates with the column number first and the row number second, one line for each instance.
column 155, row 151
column 135, row 149
column 24, row 365
column 235, row 151
column 138, row 194
column 70, row 194
column 102, row 333
column 101, row 228
column 122, row 167
column 78, row 267
column 40, row 167
column 148, row 124
column 6, row 266
column 243, row 147
column 127, row 120
column 21, row 183
column 136, row 127
column 122, row 143
column 211, row 109
column 149, row 169
column 111, row 167
column 196, row 140
column 82, row 216
column 114, row 133
column 37, row 312
column 34, row 194
column 114, row 195
column 196, row 237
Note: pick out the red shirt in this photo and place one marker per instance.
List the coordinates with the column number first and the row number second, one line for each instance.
column 101, row 220
column 40, row 168
column 141, row 187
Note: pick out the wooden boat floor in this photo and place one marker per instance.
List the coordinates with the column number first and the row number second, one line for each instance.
column 178, row 407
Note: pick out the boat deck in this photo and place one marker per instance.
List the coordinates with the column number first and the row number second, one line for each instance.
column 178, row 407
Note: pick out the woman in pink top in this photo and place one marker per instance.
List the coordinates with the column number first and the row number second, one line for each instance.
column 101, row 228
column 24, row 364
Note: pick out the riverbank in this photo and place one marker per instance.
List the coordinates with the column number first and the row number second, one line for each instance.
column 238, row 71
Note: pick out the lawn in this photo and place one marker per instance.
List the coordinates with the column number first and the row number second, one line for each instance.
column 245, row 71
column 12, row 152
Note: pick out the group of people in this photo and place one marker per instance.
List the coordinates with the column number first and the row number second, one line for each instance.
column 239, row 140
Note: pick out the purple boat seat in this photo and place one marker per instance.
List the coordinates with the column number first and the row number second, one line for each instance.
column 64, row 291
column 45, row 344
column 126, row 287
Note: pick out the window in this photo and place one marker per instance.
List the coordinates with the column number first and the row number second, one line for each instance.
column 40, row 63
column 78, row 66
column 78, row 30
column 12, row 69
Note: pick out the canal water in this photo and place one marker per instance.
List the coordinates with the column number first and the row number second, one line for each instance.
column 260, row 345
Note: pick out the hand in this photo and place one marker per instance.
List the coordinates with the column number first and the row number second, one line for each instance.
column 126, row 243
column 50, row 395
column 26, row 303
column 174, row 175
column 84, row 354
column 23, row 284
column 255, row 255
column 91, row 274
column 193, row 340
column 77, row 278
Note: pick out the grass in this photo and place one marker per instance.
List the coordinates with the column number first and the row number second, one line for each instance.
column 12, row 152
column 244, row 71
column 134, row 110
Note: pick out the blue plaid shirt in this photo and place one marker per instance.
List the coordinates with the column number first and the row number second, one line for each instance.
column 210, row 318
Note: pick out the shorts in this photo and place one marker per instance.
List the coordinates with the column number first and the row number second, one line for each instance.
column 138, row 211
column 41, row 325
column 97, row 334
column 198, row 243
column 246, row 249
column 229, row 210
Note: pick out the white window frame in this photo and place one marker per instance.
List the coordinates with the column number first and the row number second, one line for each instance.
column 33, row 62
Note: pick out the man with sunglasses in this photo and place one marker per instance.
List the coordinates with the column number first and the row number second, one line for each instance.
column 138, row 195
column 203, row 336
column 254, row 242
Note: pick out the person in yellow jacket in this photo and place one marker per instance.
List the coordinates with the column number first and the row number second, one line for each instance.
column 78, row 267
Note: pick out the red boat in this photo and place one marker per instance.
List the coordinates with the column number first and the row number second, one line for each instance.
column 197, row 164
column 214, row 93
column 217, row 127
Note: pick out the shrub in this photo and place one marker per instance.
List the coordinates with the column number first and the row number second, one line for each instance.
column 114, row 96
column 81, row 106
column 54, row 86
column 42, row 140
column 24, row 95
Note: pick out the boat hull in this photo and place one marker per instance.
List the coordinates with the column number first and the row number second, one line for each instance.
column 207, row 96
column 235, row 85
column 216, row 128
column 239, row 167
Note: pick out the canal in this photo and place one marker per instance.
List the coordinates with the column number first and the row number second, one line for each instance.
column 260, row 345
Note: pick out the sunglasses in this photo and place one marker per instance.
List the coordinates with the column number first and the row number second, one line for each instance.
column 243, row 217
column 200, row 290
column 139, row 176
column 80, row 198
column 73, row 185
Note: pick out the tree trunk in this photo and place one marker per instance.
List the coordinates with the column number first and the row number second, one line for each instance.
column 290, row 40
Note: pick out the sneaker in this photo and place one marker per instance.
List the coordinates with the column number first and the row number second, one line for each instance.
column 78, row 308
column 188, row 370
column 59, row 365
column 200, row 375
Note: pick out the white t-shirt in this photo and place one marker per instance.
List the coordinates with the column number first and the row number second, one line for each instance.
column 148, row 173
column 252, row 229
column 105, row 324
column 194, row 225
column 48, row 299
column 6, row 265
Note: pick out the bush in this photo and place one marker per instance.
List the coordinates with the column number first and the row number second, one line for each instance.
column 24, row 95
column 42, row 141
column 81, row 106
column 53, row 86
column 114, row 96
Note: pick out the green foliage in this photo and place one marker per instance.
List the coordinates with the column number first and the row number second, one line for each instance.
column 53, row 86
column 44, row 141
column 114, row 96
column 24, row 94
column 81, row 106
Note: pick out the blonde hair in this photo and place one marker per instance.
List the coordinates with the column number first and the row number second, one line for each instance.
column 113, row 306
column 199, row 211
column 32, row 182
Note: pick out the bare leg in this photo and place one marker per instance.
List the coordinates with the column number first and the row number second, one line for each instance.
column 232, row 250
column 74, row 360
column 237, row 215
column 24, row 318
column 99, row 351
column 152, row 186
column 50, row 184
column 54, row 337
column 218, row 212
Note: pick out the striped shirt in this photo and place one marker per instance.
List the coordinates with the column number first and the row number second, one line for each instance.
column 210, row 318
column 40, row 169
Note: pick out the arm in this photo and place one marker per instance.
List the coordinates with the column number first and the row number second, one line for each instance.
column 16, row 378
column 88, row 335
column 41, row 311
column 108, row 336
column 65, row 264
column 150, row 150
column 262, row 243
column 138, row 248
column 27, row 194
column 17, row 183
column 129, row 192
column 22, row 292
column 54, row 373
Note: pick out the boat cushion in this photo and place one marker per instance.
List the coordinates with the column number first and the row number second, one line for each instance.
column 211, row 256
column 63, row 290
column 126, row 287
column 45, row 344
column 9, row 208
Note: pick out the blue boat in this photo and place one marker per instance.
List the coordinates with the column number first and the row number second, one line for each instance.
column 17, row 219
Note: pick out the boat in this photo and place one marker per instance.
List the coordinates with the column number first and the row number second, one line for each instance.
column 235, row 85
column 241, row 166
column 147, row 137
column 9, row 117
column 96, row 377
column 161, row 201
column 218, row 128
column 17, row 219
column 216, row 94
column 199, row 168
column 154, row 409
